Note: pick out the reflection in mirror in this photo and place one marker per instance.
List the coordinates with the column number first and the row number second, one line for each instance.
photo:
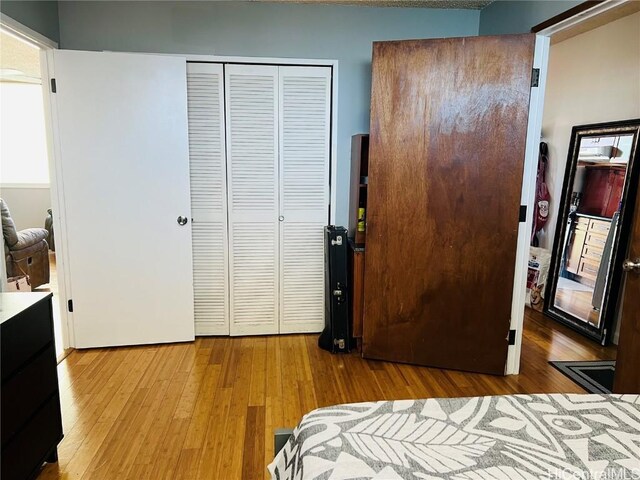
column 585, row 251
column 591, row 224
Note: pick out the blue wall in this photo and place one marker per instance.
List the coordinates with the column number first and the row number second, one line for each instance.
column 256, row 29
column 337, row 32
column 41, row 16
column 508, row 16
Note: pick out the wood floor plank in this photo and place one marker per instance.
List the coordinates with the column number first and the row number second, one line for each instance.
column 216, row 435
column 102, row 414
column 122, row 412
column 252, row 457
column 87, row 407
column 156, row 434
column 258, row 385
column 208, row 409
column 155, row 384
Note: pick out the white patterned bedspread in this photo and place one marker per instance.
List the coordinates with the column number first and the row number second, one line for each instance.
column 516, row 437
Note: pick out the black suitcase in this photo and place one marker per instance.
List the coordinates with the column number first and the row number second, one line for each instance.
column 336, row 336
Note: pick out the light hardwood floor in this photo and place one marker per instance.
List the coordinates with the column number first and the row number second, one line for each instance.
column 207, row 410
column 578, row 304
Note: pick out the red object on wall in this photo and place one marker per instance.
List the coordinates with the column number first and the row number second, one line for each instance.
column 541, row 206
column 602, row 190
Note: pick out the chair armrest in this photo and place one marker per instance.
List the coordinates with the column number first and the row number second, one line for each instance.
column 29, row 237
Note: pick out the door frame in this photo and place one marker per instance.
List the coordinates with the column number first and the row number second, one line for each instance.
column 563, row 23
column 333, row 134
column 47, row 46
column 527, row 199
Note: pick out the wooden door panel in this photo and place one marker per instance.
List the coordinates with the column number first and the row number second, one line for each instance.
column 627, row 377
column 447, row 146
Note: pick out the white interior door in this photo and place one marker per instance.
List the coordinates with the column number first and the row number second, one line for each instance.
column 120, row 126
column 205, row 93
column 305, row 110
column 252, row 176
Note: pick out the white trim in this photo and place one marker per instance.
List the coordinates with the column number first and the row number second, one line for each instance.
column 259, row 60
column 333, row 180
column 534, row 128
column 581, row 17
column 25, row 33
column 57, row 199
column 24, row 185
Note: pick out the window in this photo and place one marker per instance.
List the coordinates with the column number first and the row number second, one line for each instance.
column 23, row 150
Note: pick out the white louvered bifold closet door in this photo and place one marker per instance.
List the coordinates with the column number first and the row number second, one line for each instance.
column 205, row 94
column 252, row 176
column 305, row 110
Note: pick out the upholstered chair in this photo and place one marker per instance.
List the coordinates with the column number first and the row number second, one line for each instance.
column 26, row 251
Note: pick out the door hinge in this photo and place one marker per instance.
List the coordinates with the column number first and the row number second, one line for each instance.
column 511, row 338
column 535, row 77
column 53, row 85
column 70, row 306
column 523, row 214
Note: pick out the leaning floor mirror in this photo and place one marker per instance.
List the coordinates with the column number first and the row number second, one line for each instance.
column 600, row 185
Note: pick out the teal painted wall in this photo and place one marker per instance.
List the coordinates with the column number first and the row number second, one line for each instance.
column 41, row 16
column 343, row 33
column 508, row 16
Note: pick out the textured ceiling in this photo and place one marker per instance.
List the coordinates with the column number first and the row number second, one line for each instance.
column 468, row 4
column 19, row 61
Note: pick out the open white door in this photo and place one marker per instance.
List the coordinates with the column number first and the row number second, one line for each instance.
column 120, row 133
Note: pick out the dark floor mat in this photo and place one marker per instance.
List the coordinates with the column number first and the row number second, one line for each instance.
column 595, row 376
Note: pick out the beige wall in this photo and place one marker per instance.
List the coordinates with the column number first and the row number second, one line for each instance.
column 28, row 206
column 592, row 78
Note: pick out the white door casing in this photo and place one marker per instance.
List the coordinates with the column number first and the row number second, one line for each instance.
column 205, row 93
column 122, row 147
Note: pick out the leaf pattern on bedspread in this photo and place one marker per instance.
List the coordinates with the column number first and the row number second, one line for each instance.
column 517, row 437
column 432, row 444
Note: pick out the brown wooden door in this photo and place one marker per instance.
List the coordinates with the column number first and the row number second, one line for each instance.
column 627, row 377
column 447, row 146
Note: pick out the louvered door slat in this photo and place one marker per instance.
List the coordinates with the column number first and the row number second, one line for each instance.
column 205, row 96
column 252, row 172
column 304, row 195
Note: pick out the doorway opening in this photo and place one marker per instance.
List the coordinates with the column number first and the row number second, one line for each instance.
column 25, row 185
column 586, row 192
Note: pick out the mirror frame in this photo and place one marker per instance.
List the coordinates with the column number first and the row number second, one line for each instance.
column 611, row 300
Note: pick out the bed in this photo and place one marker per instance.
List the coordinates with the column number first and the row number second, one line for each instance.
column 515, row 437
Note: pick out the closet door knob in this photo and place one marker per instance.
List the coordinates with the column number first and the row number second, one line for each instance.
column 182, row 220
column 631, row 266
column 281, row 218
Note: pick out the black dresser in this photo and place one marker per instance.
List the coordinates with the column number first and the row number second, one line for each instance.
column 30, row 422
